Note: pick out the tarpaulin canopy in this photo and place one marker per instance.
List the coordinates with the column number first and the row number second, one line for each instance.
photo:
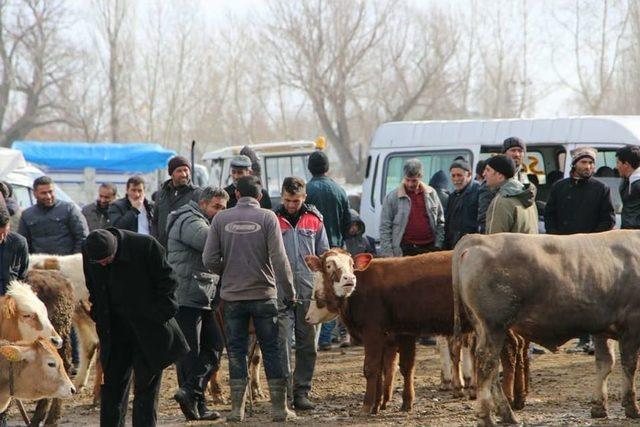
column 114, row 157
column 10, row 160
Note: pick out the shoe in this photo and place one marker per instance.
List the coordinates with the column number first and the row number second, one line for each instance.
column 427, row 341
column 302, row 403
column 589, row 349
column 578, row 348
column 204, row 412
column 238, row 399
column 278, row 393
column 537, row 350
column 345, row 341
column 188, row 404
column 325, row 347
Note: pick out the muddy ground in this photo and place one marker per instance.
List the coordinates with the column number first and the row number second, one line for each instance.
column 560, row 393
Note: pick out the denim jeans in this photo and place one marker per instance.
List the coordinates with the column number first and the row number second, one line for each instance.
column 326, row 332
column 265, row 321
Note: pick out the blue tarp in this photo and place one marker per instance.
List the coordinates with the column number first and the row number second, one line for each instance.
column 134, row 157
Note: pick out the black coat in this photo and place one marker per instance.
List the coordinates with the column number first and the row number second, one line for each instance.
column 15, row 259
column 124, row 216
column 462, row 214
column 140, row 286
column 630, row 195
column 265, row 201
column 169, row 199
column 579, row 206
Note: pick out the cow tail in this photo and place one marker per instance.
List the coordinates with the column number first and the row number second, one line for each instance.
column 457, row 324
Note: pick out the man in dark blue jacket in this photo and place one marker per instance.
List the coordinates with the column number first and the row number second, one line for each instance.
column 462, row 207
column 14, row 254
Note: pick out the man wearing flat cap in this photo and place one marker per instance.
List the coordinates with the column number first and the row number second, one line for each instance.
column 242, row 166
column 173, row 194
column 513, row 209
column 462, row 206
column 131, row 290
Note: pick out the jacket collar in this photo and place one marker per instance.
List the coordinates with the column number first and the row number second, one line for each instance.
column 248, row 201
column 402, row 192
column 123, row 253
column 635, row 176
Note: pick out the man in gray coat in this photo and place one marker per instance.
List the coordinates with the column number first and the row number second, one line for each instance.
column 412, row 220
column 52, row 226
column 245, row 246
column 97, row 213
column 188, row 228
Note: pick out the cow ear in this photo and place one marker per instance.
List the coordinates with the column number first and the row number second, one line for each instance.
column 313, row 262
column 9, row 308
column 361, row 261
column 10, row 353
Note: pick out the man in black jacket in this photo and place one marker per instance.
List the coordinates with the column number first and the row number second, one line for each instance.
column 14, row 253
column 241, row 166
column 462, row 208
column 133, row 212
column 580, row 203
column 628, row 165
column 174, row 193
column 131, row 290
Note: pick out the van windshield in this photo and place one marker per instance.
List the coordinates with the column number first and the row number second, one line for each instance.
column 607, row 173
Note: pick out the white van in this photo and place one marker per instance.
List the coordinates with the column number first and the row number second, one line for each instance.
column 437, row 143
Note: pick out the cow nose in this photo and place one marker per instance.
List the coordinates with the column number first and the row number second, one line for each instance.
column 73, row 390
column 57, row 342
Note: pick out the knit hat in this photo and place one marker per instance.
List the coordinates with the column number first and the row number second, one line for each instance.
column 318, row 163
column 241, row 162
column 513, row 141
column 176, row 162
column 461, row 164
column 100, row 244
column 502, row 164
column 581, row 153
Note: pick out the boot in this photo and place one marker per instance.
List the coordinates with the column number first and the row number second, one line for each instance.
column 188, row 404
column 278, row 392
column 303, row 403
column 204, row 412
column 238, row 399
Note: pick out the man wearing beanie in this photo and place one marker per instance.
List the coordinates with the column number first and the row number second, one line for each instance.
column 515, row 149
column 131, row 290
column 513, row 209
column 462, row 207
column 173, row 194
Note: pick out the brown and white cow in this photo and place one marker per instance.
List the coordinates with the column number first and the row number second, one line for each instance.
column 549, row 289
column 386, row 302
column 23, row 316
column 32, row 371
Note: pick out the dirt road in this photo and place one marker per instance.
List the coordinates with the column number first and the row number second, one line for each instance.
column 560, row 393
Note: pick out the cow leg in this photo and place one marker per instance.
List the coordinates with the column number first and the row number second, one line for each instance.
column 254, row 369
column 629, row 361
column 55, row 413
column 445, row 363
column 373, row 354
column 97, row 383
column 502, row 405
column 407, row 368
column 605, row 359
column 520, row 380
column 468, row 369
column 390, row 362
column 88, row 337
column 488, row 350
column 456, row 374
column 40, row 413
column 508, row 357
column 216, row 390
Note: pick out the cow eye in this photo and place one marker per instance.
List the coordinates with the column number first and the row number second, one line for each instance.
column 26, row 316
column 52, row 364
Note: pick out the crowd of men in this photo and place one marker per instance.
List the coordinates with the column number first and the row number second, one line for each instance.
column 157, row 271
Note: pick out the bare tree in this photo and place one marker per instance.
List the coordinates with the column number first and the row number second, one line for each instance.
column 114, row 28
column 35, row 62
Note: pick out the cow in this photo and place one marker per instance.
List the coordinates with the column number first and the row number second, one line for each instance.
column 549, row 289
column 23, row 317
column 32, row 370
column 395, row 300
column 56, row 292
column 71, row 267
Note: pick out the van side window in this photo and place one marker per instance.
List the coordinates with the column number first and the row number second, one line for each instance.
column 431, row 162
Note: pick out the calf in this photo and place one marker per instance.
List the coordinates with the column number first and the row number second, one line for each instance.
column 32, row 371
column 396, row 300
column 549, row 289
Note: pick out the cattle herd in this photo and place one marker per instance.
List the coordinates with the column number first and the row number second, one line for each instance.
column 486, row 300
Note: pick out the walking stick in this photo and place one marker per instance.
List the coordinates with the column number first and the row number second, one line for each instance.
column 23, row 412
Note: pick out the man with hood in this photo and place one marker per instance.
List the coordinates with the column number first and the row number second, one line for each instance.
column 440, row 183
column 174, row 193
column 461, row 215
column 580, row 204
column 188, row 228
column 356, row 241
column 515, row 149
column 513, row 209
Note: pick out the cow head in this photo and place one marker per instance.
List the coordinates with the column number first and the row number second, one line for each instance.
column 23, row 317
column 38, row 370
column 335, row 280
